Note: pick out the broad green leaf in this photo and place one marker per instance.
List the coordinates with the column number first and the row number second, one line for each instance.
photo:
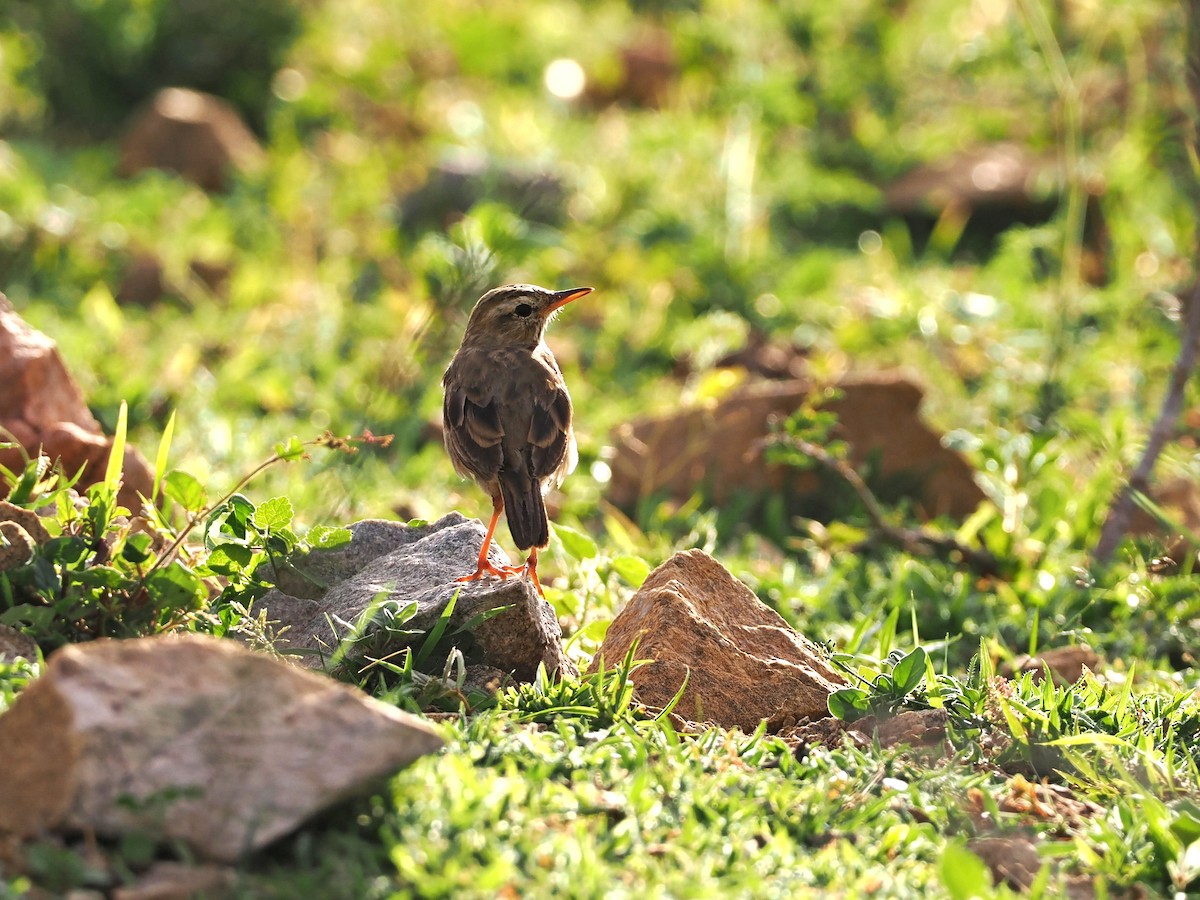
column 231, row 518
column 849, row 704
column 228, row 559
column 185, row 490
column 39, row 617
column 290, row 450
column 137, row 547
column 909, row 671
column 577, row 544
column 282, row 540
column 964, row 874
column 632, row 569
column 1185, row 824
column 328, row 536
column 175, row 587
column 273, row 514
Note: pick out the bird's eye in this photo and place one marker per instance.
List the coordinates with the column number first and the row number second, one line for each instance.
column 524, row 310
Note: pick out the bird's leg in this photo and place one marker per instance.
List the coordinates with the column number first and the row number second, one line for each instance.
column 530, row 568
column 483, row 565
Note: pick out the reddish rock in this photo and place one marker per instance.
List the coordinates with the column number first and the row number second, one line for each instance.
column 993, row 187
column 145, row 283
column 194, row 739
column 41, row 408
column 1013, row 861
column 742, row 662
column 766, row 358
column 196, row 135
column 720, row 448
column 1065, row 665
column 142, row 283
column 648, row 73
column 1179, row 498
column 14, row 643
column 1000, row 174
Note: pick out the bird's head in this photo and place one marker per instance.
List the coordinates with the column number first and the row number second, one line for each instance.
column 516, row 315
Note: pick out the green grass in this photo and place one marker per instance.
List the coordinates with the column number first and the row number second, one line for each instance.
column 752, row 201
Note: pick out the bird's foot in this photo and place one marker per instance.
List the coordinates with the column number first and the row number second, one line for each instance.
column 485, row 567
column 529, row 570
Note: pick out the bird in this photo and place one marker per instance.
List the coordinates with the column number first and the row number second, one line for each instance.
column 507, row 416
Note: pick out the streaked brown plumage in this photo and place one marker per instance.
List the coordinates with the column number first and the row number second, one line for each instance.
column 507, row 415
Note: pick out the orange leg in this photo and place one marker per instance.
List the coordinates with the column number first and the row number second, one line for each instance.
column 531, row 571
column 483, row 565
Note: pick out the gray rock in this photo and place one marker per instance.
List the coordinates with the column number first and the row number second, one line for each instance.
column 191, row 738
column 363, row 587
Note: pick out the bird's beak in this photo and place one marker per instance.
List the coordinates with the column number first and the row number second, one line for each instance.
column 562, row 298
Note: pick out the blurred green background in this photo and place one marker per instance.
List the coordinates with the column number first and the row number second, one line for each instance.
column 725, row 173
column 717, row 170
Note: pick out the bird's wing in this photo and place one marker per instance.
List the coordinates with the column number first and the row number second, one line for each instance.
column 550, row 439
column 473, row 430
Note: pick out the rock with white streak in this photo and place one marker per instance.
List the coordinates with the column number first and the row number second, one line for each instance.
column 194, row 739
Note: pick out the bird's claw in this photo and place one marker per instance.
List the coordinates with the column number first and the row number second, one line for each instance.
column 486, row 568
column 503, row 572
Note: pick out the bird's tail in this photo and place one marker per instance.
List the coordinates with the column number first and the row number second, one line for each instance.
column 526, row 512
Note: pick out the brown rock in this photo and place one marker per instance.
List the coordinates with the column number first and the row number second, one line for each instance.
column 22, row 532
column 14, row 643
column 1065, row 665
column 145, row 283
column 743, row 663
column 196, row 135
column 719, row 448
column 768, row 359
column 1000, row 174
column 191, row 738
column 990, row 188
column 142, row 283
column 43, row 410
column 1179, row 499
column 180, row 881
column 648, row 73
column 914, row 727
column 826, row 732
column 1013, row 861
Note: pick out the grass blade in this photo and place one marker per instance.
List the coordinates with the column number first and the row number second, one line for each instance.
column 116, row 459
column 160, row 459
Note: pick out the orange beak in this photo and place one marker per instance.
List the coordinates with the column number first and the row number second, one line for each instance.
column 562, row 298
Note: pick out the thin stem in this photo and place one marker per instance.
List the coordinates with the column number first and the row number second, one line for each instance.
column 914, row 540
column 1121, row 509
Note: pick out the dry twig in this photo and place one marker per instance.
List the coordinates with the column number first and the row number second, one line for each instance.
column 920, row 541
column 1121, row 509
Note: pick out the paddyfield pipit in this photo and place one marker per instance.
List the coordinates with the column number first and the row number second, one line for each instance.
column 507, row 415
